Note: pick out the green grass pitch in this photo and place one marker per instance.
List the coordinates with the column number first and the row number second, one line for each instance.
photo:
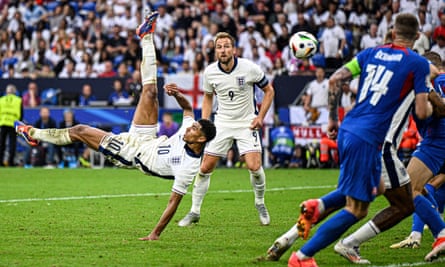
column 86, row 217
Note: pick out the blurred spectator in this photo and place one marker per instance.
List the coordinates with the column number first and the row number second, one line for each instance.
column 297, row 158
column 133, row 54
column 44, row 153
column 217, row 15
column 81, row 65
column 19, row 42
column 348, row 95
column 4, row 40
column 423, row 43
column 316, row 101
column 386, row 23
column 46, row 72
column 281, row 21
column 279, row 68
column 86, row 95
column 127, row 21
column 432, row 7
column 184, row 18
column 168, row 126
column 116, row 45
column 332, row 42
column 306, row 67
column 11, row 109
column 171, row 47
column 122, row 71
column 11, row 73
column 74, row 21
column 43, row 55
column 320, row 16
column 262, row 60
column 33, row 13
column 16, row 23
column 439, row 47
column 55, row 18
column 133, row 85
column 273, row 53
column 328, row 153
column 209, row 37
column 108, row 71
column 186, row 68
column 68, row 154
column 277, row 10
column 258, row 11
column 89, row 72
column 31, row 97
column 269, row 36
column 236, row 6
column 164, row 21
column 119, row 97
column 440, row 30
column 283, row 39
column 190, row 51
column 371, row 39
column 303, row 25
column 282, row 146
column 358, row 19
column 95, row 35
column 68, row 69
column 410, row 139
column 248, row 34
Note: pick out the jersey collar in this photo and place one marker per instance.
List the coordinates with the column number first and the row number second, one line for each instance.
column 235, row 60
column 190, row 152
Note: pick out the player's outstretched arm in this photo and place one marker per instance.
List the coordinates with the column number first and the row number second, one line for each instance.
column 173, row 90
column 168, row 214
column 334, row 94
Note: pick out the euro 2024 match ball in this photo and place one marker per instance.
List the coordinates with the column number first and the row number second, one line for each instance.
column 303, row 44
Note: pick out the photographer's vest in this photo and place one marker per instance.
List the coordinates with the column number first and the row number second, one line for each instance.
column 10, row 109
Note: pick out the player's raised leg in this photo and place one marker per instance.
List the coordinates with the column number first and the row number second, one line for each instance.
column 78, row 133
column 146, row 112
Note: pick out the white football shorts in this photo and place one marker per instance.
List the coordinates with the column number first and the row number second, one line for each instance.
column 394, row 173
column 247, row 141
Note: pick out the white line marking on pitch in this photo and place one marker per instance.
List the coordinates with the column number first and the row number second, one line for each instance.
column 155, row 194
column 410, row 264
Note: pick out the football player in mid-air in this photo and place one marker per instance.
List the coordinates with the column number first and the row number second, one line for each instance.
column 177, row 157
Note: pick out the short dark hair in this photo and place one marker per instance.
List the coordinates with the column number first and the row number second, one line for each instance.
column 208, row 128
column 434, row 58
column 406, row 26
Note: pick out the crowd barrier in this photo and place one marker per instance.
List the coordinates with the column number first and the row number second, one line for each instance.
column 287, row 88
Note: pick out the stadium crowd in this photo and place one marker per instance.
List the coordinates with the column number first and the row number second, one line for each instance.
column 93, row 39
column 96, row 39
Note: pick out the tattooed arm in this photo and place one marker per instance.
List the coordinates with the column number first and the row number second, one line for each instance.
column 339, row 77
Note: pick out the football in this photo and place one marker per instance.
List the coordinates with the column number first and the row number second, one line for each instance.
column 303, row 44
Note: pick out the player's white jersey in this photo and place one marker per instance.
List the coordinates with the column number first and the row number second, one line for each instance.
column 235, row 91
column 399, row 121
column 164, row 157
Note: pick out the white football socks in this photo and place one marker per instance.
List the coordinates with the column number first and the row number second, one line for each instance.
column 258, row 181
column 54, row 136
column 200, row 188
column 363, row 234
column 148, row 64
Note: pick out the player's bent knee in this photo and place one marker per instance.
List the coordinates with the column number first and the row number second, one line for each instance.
column 78, row 130
column 150, row 91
